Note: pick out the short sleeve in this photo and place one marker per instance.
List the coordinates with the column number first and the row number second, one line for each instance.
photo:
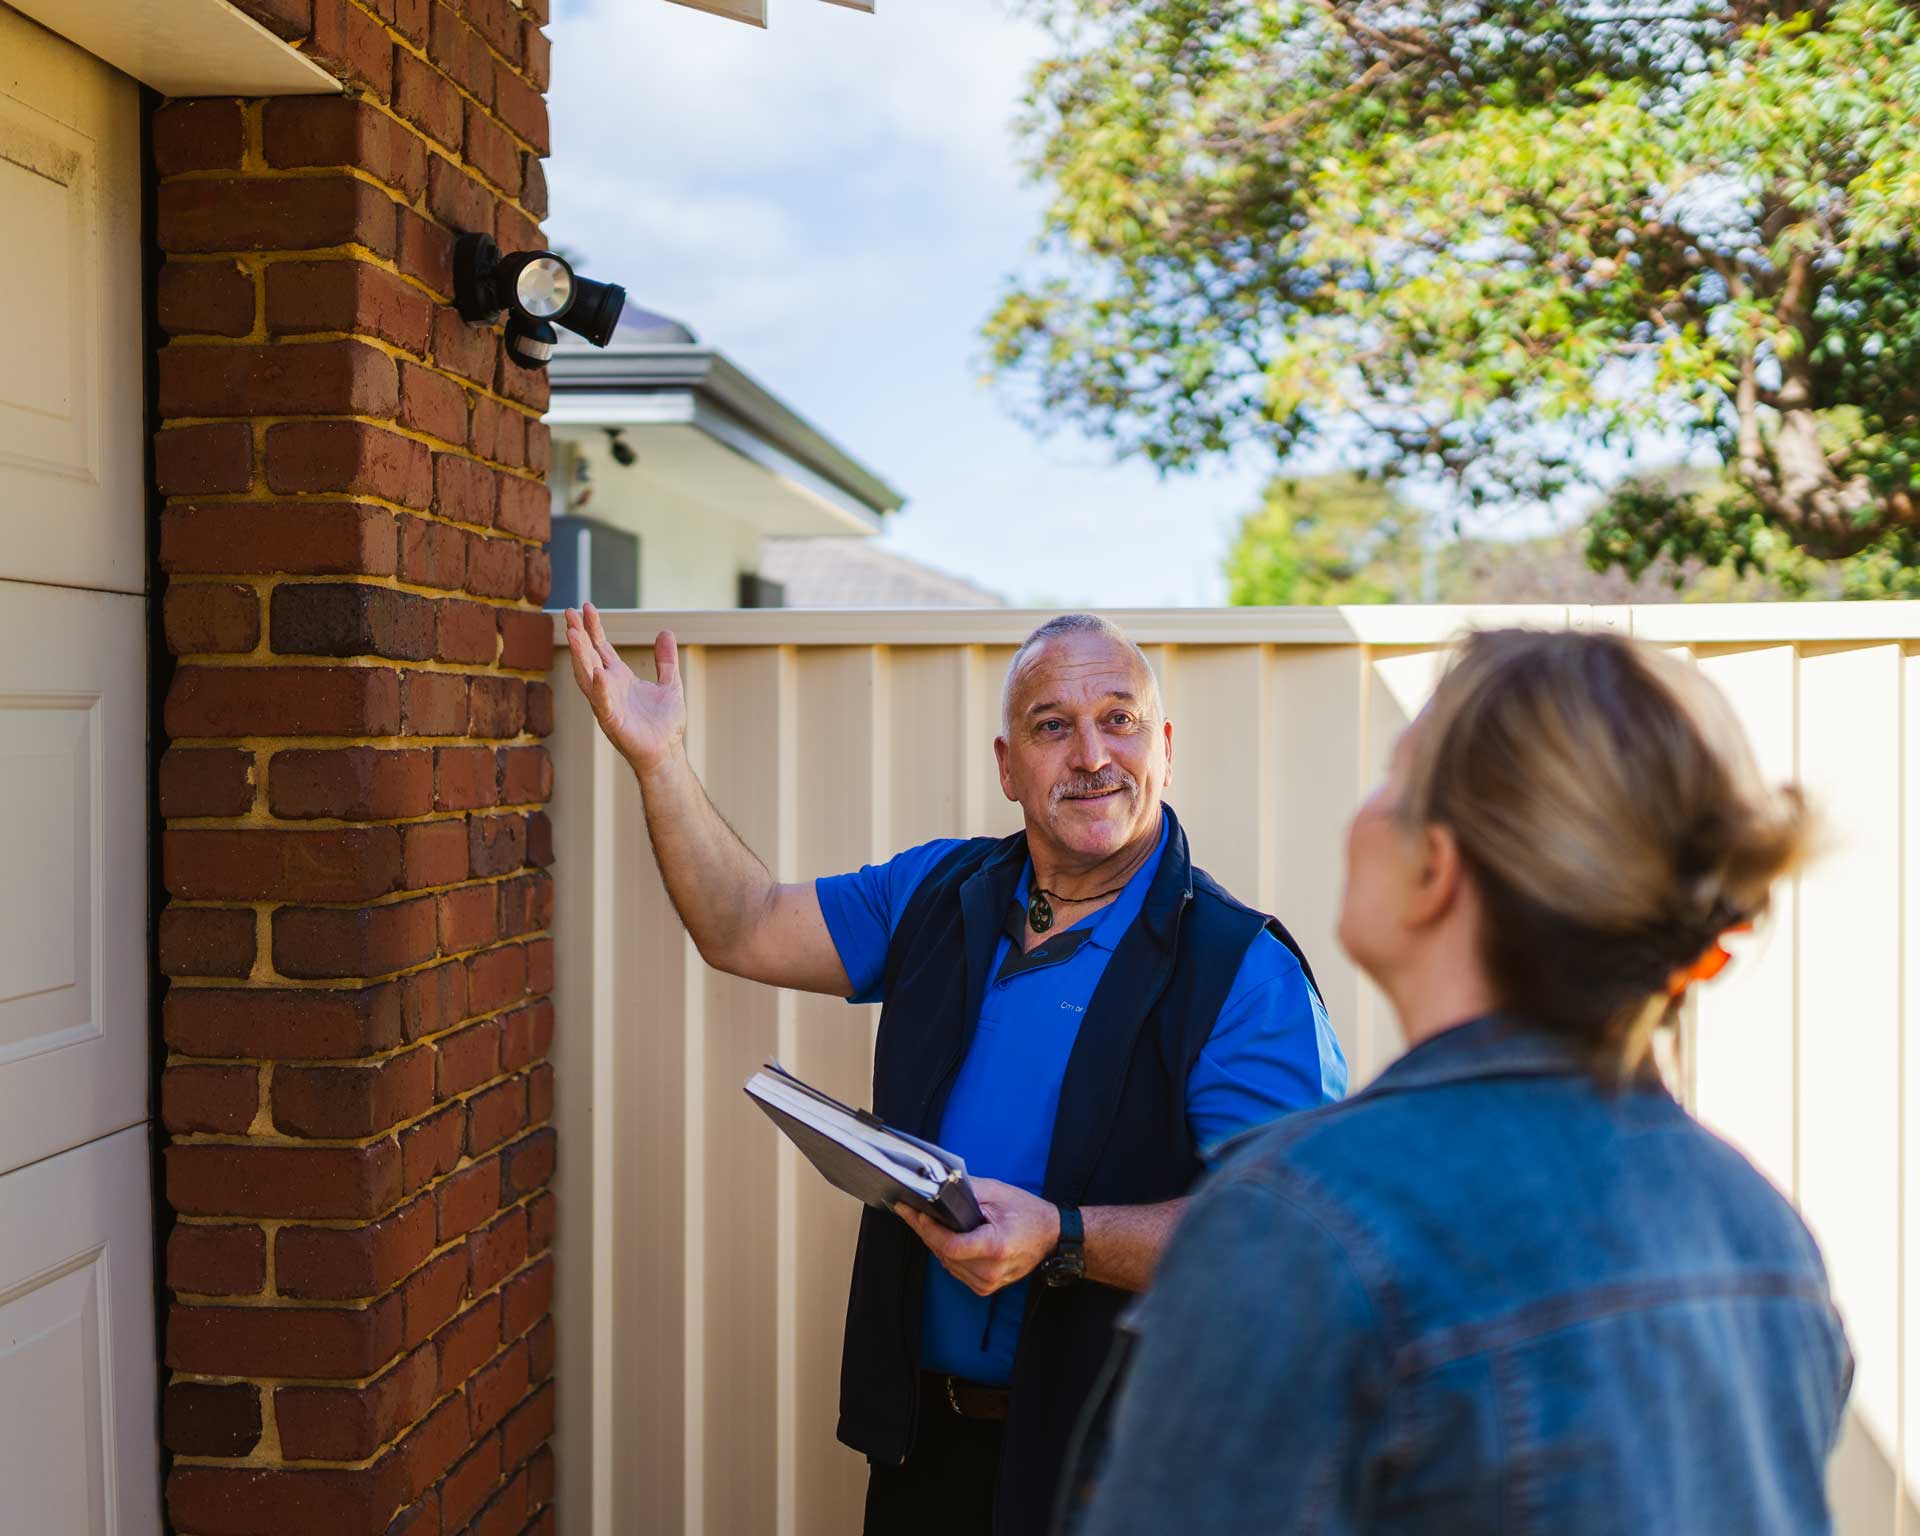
column 1252, row 1381
column 863, row 908
column 1272, row 1050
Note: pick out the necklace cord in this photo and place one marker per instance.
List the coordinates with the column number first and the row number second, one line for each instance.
column 1040, row 900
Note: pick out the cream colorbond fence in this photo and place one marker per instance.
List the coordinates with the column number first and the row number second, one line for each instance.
column 703, row 1268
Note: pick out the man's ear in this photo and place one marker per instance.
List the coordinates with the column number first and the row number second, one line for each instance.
column 1166, row 736
column 1000, row 760
column 1442, row 874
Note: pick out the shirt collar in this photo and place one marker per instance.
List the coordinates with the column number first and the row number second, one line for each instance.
column 1490, row 1046
column 1111, row 922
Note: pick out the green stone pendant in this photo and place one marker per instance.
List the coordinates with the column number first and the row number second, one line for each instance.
column 1039, row 912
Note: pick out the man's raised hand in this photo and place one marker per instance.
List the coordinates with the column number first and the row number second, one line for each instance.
column 645, row 721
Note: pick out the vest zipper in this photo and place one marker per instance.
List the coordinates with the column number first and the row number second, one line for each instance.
column 1034, row 1298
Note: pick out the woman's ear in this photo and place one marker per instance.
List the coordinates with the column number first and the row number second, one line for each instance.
column 1437, row 887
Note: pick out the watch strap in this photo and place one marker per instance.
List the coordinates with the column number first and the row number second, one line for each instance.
column 1067, row 1264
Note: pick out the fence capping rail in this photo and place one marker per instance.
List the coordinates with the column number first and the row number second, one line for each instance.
column 1384, row 624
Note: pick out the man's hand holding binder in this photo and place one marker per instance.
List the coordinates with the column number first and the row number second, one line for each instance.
column 1020, row 1230
column 986, row 1234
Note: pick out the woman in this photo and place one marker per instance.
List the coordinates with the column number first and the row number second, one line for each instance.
column 1511, row 1287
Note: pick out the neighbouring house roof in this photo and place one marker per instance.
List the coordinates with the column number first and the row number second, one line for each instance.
column 854, row 573
column 656, row 376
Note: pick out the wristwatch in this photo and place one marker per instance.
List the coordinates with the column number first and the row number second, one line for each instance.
column 1067, row 1264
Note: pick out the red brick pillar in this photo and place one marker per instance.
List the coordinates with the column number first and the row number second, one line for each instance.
column 355, row 1090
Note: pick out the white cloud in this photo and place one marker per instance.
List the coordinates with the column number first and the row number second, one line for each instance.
column 823, row 86
column 736, row 266
column 765, row 186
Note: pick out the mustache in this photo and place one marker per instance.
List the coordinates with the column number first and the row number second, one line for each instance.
column 1080, row 785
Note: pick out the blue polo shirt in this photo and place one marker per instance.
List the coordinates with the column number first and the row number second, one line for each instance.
column 1271, row 1051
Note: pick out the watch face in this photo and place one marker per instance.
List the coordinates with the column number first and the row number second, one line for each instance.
column 1063, row 1268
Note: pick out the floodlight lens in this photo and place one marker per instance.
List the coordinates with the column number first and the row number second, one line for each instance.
column 544, row 287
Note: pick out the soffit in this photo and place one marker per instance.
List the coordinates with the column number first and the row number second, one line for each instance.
column 184, row 47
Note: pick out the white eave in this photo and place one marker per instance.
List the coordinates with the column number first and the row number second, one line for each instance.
column 184, row 47
column 695, row 396
column 754, row 12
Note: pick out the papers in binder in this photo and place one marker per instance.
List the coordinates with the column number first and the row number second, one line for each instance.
column 869, row 1160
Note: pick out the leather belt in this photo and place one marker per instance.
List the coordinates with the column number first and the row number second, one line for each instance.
column 968, row 1399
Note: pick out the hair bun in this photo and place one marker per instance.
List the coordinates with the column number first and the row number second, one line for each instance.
column 1609, row 807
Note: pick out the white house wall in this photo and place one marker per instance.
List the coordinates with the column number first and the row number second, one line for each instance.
column 691, row 555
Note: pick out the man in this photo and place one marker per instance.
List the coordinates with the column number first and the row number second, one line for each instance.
column 1076, row 1010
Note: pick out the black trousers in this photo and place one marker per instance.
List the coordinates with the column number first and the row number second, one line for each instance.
column 945, row 1486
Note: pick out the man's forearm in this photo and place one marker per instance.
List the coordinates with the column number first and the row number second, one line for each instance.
column 1124, row 1242
column 715, row 881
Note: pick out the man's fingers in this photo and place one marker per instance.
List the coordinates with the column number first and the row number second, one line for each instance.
column 585, row 663
column 970, row 1257
column 981, row 1243
column 666, row 659
column 935, row 1236
column 598, row 635
column 973, row 1282
column 946, row 1245
column 979, row 1284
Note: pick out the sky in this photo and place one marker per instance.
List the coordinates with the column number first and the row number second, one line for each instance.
column 836, row 202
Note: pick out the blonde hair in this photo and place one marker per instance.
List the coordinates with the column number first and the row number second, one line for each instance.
column 1612, row 817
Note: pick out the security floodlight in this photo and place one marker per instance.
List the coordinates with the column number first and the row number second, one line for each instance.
column 536, row 290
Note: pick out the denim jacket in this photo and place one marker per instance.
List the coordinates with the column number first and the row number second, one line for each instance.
column 1484, row 1295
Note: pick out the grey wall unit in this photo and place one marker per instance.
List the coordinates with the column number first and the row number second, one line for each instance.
column 594, row 562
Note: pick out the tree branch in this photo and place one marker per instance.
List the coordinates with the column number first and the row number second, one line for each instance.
column 1375, row 72
column 1414, row 45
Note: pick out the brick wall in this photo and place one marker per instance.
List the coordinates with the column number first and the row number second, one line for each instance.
column 355, row 1089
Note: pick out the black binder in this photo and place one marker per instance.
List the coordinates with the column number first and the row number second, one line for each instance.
column 868, row 1159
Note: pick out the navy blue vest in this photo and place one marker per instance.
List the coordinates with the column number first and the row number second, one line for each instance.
column 1120, row 1136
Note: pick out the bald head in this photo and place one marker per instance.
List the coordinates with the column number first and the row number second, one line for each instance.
column 1077, row 626
column 1084, row 745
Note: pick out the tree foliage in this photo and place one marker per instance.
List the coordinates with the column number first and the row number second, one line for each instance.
column 1496, row 233
column 1347, row 539
column 1329, row 539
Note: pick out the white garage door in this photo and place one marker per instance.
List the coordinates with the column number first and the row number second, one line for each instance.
column 77, row 1358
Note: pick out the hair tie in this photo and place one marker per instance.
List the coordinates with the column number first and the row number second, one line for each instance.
column 1713, row 960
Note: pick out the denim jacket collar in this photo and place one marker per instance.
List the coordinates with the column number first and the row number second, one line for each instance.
column 1493, row 1045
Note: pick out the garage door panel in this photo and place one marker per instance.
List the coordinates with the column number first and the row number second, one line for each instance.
column 46, row 175
column 50, row 759
column 73, row 985
column 70, row 408
column 77, row 1351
